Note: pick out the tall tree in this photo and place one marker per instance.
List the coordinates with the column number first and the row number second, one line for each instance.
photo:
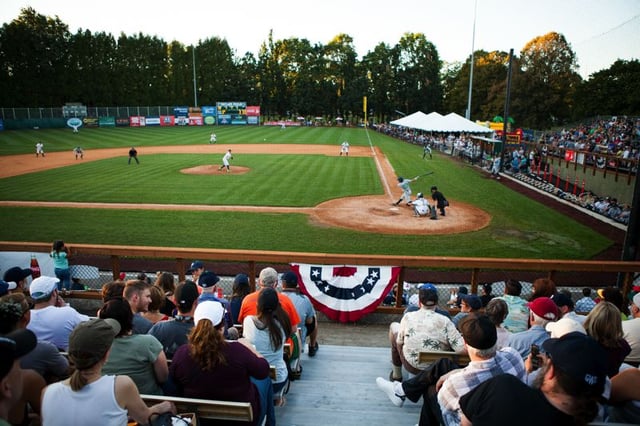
column 271, row 82
column 180, row 73
column 611, row 91
column 543, row 93
column 215, row 70
column 142, row 70
column 91, row 66
column 247, row 79
column 340, row 57
column 34, row 58
column 380, row 72
column 488, row 92
column 417, row 73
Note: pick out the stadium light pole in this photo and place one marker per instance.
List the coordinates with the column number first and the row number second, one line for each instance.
column 195, row 91
column 473, row 42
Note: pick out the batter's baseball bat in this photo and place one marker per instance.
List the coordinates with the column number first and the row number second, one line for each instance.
column 424, row 174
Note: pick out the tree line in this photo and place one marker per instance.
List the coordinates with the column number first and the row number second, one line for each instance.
column 42, row 64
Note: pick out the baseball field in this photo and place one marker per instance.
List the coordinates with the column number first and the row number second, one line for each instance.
column 287, row 190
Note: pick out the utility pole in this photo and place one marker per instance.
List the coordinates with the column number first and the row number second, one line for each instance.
column 506, row 111
column 195, row 90
column 473, row 42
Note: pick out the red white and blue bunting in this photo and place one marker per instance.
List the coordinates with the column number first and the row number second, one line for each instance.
column 345, row 293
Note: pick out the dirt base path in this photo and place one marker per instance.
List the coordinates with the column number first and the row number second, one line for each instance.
column 367, row 213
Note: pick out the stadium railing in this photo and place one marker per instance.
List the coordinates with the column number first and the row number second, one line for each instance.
column 248, row 261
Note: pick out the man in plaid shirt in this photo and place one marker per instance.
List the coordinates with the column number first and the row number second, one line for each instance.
column 480, row 338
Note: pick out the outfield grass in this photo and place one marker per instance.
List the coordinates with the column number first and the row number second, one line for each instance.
column 520, row 227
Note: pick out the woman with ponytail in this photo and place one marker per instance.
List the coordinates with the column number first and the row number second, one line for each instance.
column 266, row 332
column 209, row 367
column 88, row 397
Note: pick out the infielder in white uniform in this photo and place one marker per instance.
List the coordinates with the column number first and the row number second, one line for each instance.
column 420, row 206
column 225, row 161
column 406, row 190
column 39, row 149
column 344, row 148
column 213, row 138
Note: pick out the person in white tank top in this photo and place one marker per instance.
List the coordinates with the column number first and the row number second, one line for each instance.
column 87, row 394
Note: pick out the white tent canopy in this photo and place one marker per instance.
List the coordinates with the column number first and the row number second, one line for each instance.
column 455, row 123
column 418, row 120
column 434, row 122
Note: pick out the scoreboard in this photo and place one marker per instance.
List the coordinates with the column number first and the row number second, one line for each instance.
column 232, row 112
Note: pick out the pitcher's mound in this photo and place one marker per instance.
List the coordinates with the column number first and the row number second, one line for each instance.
column 214, row 170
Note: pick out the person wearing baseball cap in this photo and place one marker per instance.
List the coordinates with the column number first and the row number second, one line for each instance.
column 565, row 307
column 565, row 392
column 16, row 277
column 208, row 283
column 542, row 311
column 51, row 318
column 468, row 303
column 111, row 399
column 421, row 330
column 173, row 333
column 209, row 358
column 196, row 269
column 564, row 326
column 5, row 287
column 13, row 346
column 414, row 300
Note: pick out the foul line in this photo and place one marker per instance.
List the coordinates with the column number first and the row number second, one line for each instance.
column 385, row 183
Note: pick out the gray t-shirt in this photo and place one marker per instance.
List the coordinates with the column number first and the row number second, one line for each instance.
column 46, row 360
column 172, row 334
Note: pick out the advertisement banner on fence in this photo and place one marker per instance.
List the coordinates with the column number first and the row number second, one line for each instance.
column 167, row 120
column 136, row 121
column 195, row 120
column 209, row 110
column 253, row 111
column 75, row 123
column 181, row 111
column 107, row 122
column 209, row 115
column 253, row 120
column 122, row 121
column 152, row 121
column 90, row 121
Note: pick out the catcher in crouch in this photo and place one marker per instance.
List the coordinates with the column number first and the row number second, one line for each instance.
column 406, row 190
column 420, row 206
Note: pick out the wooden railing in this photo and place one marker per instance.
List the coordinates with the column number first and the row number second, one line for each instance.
column 473, row 266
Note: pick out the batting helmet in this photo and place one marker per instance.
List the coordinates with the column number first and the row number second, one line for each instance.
column 420, row 195
column 400, row 179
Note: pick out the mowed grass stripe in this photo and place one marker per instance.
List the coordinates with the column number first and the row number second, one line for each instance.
column 271, row 231
column 273, row 180
column 55, row 140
